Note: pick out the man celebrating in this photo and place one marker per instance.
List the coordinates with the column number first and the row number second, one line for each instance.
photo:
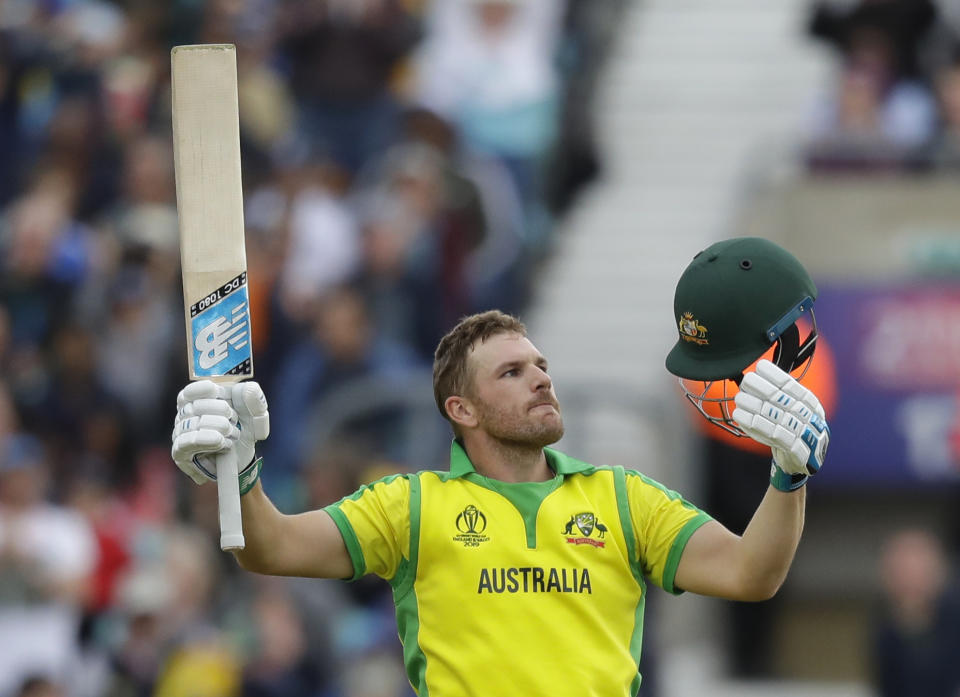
column 519, row 545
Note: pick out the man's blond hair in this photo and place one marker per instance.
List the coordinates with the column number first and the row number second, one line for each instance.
column 450, row 359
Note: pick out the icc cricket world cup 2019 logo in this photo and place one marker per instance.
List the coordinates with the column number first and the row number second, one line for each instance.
column 471, row 523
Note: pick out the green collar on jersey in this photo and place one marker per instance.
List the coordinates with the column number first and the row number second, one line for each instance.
column 560, row 463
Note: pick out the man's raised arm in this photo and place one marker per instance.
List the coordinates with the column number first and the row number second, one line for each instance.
column 211, row 418
column 774, row 409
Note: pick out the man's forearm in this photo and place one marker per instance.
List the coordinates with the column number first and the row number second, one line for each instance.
column 305, row 544
column 261, row 531
column 770, row 541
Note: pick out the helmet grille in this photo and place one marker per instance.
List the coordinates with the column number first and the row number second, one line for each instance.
column 714, row 398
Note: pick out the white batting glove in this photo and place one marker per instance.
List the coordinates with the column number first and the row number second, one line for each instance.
column 776, row 410
column 212, row 418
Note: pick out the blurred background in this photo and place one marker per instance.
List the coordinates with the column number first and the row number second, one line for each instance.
column 407, row 162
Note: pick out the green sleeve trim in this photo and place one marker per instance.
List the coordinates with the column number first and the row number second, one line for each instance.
column 402, row 582
column 414, row 659
column 405, row 598
column 676, row 551
column 350, row 540
column 626, row 522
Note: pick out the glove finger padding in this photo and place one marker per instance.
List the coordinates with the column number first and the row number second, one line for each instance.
column 770, row 378
column 205, row 425
column 776, row 410
column 251, row 406
column 202, row 389
column 207, row 422
column 208, row 407
column 193, row 452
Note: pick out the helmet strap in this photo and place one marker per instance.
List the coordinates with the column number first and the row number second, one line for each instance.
column 789, row 353
column 788, row 346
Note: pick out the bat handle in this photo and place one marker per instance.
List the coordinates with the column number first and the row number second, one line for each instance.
column 228, row 491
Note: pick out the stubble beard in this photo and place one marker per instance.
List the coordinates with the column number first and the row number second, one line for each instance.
column 521, row 431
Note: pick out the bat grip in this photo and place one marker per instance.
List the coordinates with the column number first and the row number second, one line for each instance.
column 228, row 491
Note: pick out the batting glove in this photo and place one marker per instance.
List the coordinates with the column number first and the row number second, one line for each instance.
column 212, row 418
column 776, row 410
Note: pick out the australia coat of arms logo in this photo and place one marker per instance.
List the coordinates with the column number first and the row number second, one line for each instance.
column 691, row 330
column 586, row 524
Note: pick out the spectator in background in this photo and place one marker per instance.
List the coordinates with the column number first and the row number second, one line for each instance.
column 77, row 145
column 343, row 55
column 168, row 636
column 945, row 147
column 302, row 240
column 81, row 421
column 898, row 25
column 281, row 665
column 141, row 328
column 403, row 224
column 143, row 215
column 10, row 144
column 344, row 345
column 45, row 255
column 482, row 222
column 880, row 110
column 323, row 247
column 9, row 418
column 37, row 686
column 444, row 192
column 400, row 277
column 589, row 33
column 138, row 654
column 489, row 66
column 47, row 555
column 915, row 643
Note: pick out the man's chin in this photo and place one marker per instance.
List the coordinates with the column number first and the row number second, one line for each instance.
column 550, row 436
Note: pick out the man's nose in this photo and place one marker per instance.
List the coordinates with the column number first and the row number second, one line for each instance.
column 541, row 380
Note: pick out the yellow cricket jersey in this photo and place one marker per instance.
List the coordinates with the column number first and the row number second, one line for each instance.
column 533, row 588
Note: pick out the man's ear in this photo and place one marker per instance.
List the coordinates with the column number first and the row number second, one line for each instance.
column 461, row 411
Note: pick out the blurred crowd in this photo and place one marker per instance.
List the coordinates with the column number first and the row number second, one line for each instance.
column 894, row 100
column 405, row 163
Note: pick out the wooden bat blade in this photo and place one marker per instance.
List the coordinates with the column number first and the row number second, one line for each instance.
column 206, row 140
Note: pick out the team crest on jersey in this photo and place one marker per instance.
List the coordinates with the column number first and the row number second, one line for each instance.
column 471, row 523
column 586, row 524
column 691, row 330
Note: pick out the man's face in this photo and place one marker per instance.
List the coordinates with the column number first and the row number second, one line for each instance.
column 512, row 393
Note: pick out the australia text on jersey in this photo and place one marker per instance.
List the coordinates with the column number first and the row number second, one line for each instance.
column 534, row 579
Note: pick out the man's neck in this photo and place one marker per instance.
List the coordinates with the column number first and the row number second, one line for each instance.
column 508, row 462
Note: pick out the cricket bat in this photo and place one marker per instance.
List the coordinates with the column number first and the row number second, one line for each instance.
column 206, row 153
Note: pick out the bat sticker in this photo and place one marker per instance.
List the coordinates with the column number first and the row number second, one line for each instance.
column 220, row 324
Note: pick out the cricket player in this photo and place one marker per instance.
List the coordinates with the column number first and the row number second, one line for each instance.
column 522, row 570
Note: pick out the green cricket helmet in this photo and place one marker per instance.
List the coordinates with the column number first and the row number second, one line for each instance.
column 736, row 300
